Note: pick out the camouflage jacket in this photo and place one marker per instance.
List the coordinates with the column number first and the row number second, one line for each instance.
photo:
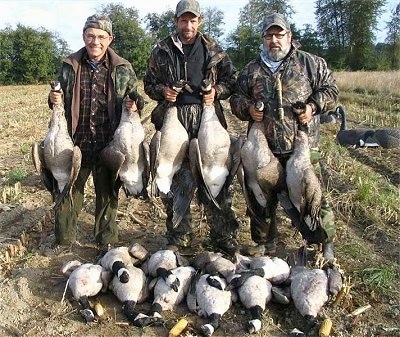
column 122, row 81
column 162, row 71
column 304, row 77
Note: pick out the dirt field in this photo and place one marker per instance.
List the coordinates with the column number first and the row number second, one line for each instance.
column 33, row 296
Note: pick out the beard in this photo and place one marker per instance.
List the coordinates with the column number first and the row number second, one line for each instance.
column 277, row 55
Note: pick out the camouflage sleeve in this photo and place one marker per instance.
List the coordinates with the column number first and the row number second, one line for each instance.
column 241, row 99
column 154, row 81
column 325, row 91
column 226, row 78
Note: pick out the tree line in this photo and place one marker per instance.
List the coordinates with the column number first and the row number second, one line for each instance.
column 344, row 36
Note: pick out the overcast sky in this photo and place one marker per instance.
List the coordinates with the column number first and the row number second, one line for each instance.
column 66, row 17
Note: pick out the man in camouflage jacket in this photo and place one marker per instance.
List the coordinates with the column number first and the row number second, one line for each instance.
column 281, row 76
column 190, row 56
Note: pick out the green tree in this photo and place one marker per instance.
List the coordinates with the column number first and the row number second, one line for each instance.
column 213, row 20
column 393, row 39
column 160, row 25
column 130, row 40
column 6, row 53
column 309, row 39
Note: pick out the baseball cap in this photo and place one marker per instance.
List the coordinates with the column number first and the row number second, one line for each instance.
column 185, row 6
column 275, row 19
column 99, row 21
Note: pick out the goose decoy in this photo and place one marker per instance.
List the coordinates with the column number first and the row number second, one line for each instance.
column 353, row 137
column 212, row 149
column 309, row 287
column 209, row 298
column 131, row 293
column 128, row 154
column 84, row 281
column 304, row 187
column 167, row 297
column 118, row 259
column 330, row 117
column 58, row 161
column 259, row 171
column 254, row 294
column 387, row 137
column 169, row 147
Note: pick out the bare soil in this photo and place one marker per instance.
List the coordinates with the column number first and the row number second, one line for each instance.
column 34, row 300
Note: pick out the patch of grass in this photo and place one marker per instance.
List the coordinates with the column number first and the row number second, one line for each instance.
column 16, row 174
column 379, row 278
column 353, row 250
column 25, row 148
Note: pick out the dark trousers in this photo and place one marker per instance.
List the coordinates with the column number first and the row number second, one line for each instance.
column 66, row 217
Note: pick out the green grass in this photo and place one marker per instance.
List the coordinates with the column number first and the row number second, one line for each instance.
column 379, row 278
column 16, row 174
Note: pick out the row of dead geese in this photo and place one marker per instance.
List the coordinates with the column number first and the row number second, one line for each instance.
column 209, row 284
column 215, row 159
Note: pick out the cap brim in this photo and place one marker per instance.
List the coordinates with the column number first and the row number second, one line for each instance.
column 188, row 11
column 274, row 24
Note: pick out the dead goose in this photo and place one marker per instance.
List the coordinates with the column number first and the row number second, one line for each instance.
column 58, row 161
column 131, row 293
column 352, row 137
column 212, row 149
column 309, row 287
column 118, row 259
column 169, row 147
column 128, row 154
column 303, row 185
column 215, row 263
column 86, row 280
column 167, row 297
column 208, row 300
column 260, row 171
column 254, row 294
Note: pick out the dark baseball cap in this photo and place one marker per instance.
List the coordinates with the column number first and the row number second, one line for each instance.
column 275, row 19
column 185, row 6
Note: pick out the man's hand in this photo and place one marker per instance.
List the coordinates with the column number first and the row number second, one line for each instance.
column 170, row 94
column 208, row 98
column 56, row 97
column 130, row 105
column 256, row 113
column 304, row 112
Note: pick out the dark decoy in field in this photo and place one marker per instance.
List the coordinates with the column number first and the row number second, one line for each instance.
column 387, row 137
column 303, row 185
column 128, row 154
column 57, row 160
column 86, row 280
column 353, row 137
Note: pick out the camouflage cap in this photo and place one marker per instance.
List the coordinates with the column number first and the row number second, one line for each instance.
column 275, row 19
column 99, row 21
column 185, row 6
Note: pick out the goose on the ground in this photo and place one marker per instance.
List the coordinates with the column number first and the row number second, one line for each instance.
column 86, row 280
column 128, row 154
column 214, row 263
column 303, row 185
column 58, row 160
column 254, row 294
column 309, row 287
column 208, row 300
column 118, row 259
column 167, row 297
column 353, row 137
column 388, row 138
column 131, row 293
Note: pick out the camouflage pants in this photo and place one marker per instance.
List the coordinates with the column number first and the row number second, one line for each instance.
column 66, row 217
column 262, row 233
